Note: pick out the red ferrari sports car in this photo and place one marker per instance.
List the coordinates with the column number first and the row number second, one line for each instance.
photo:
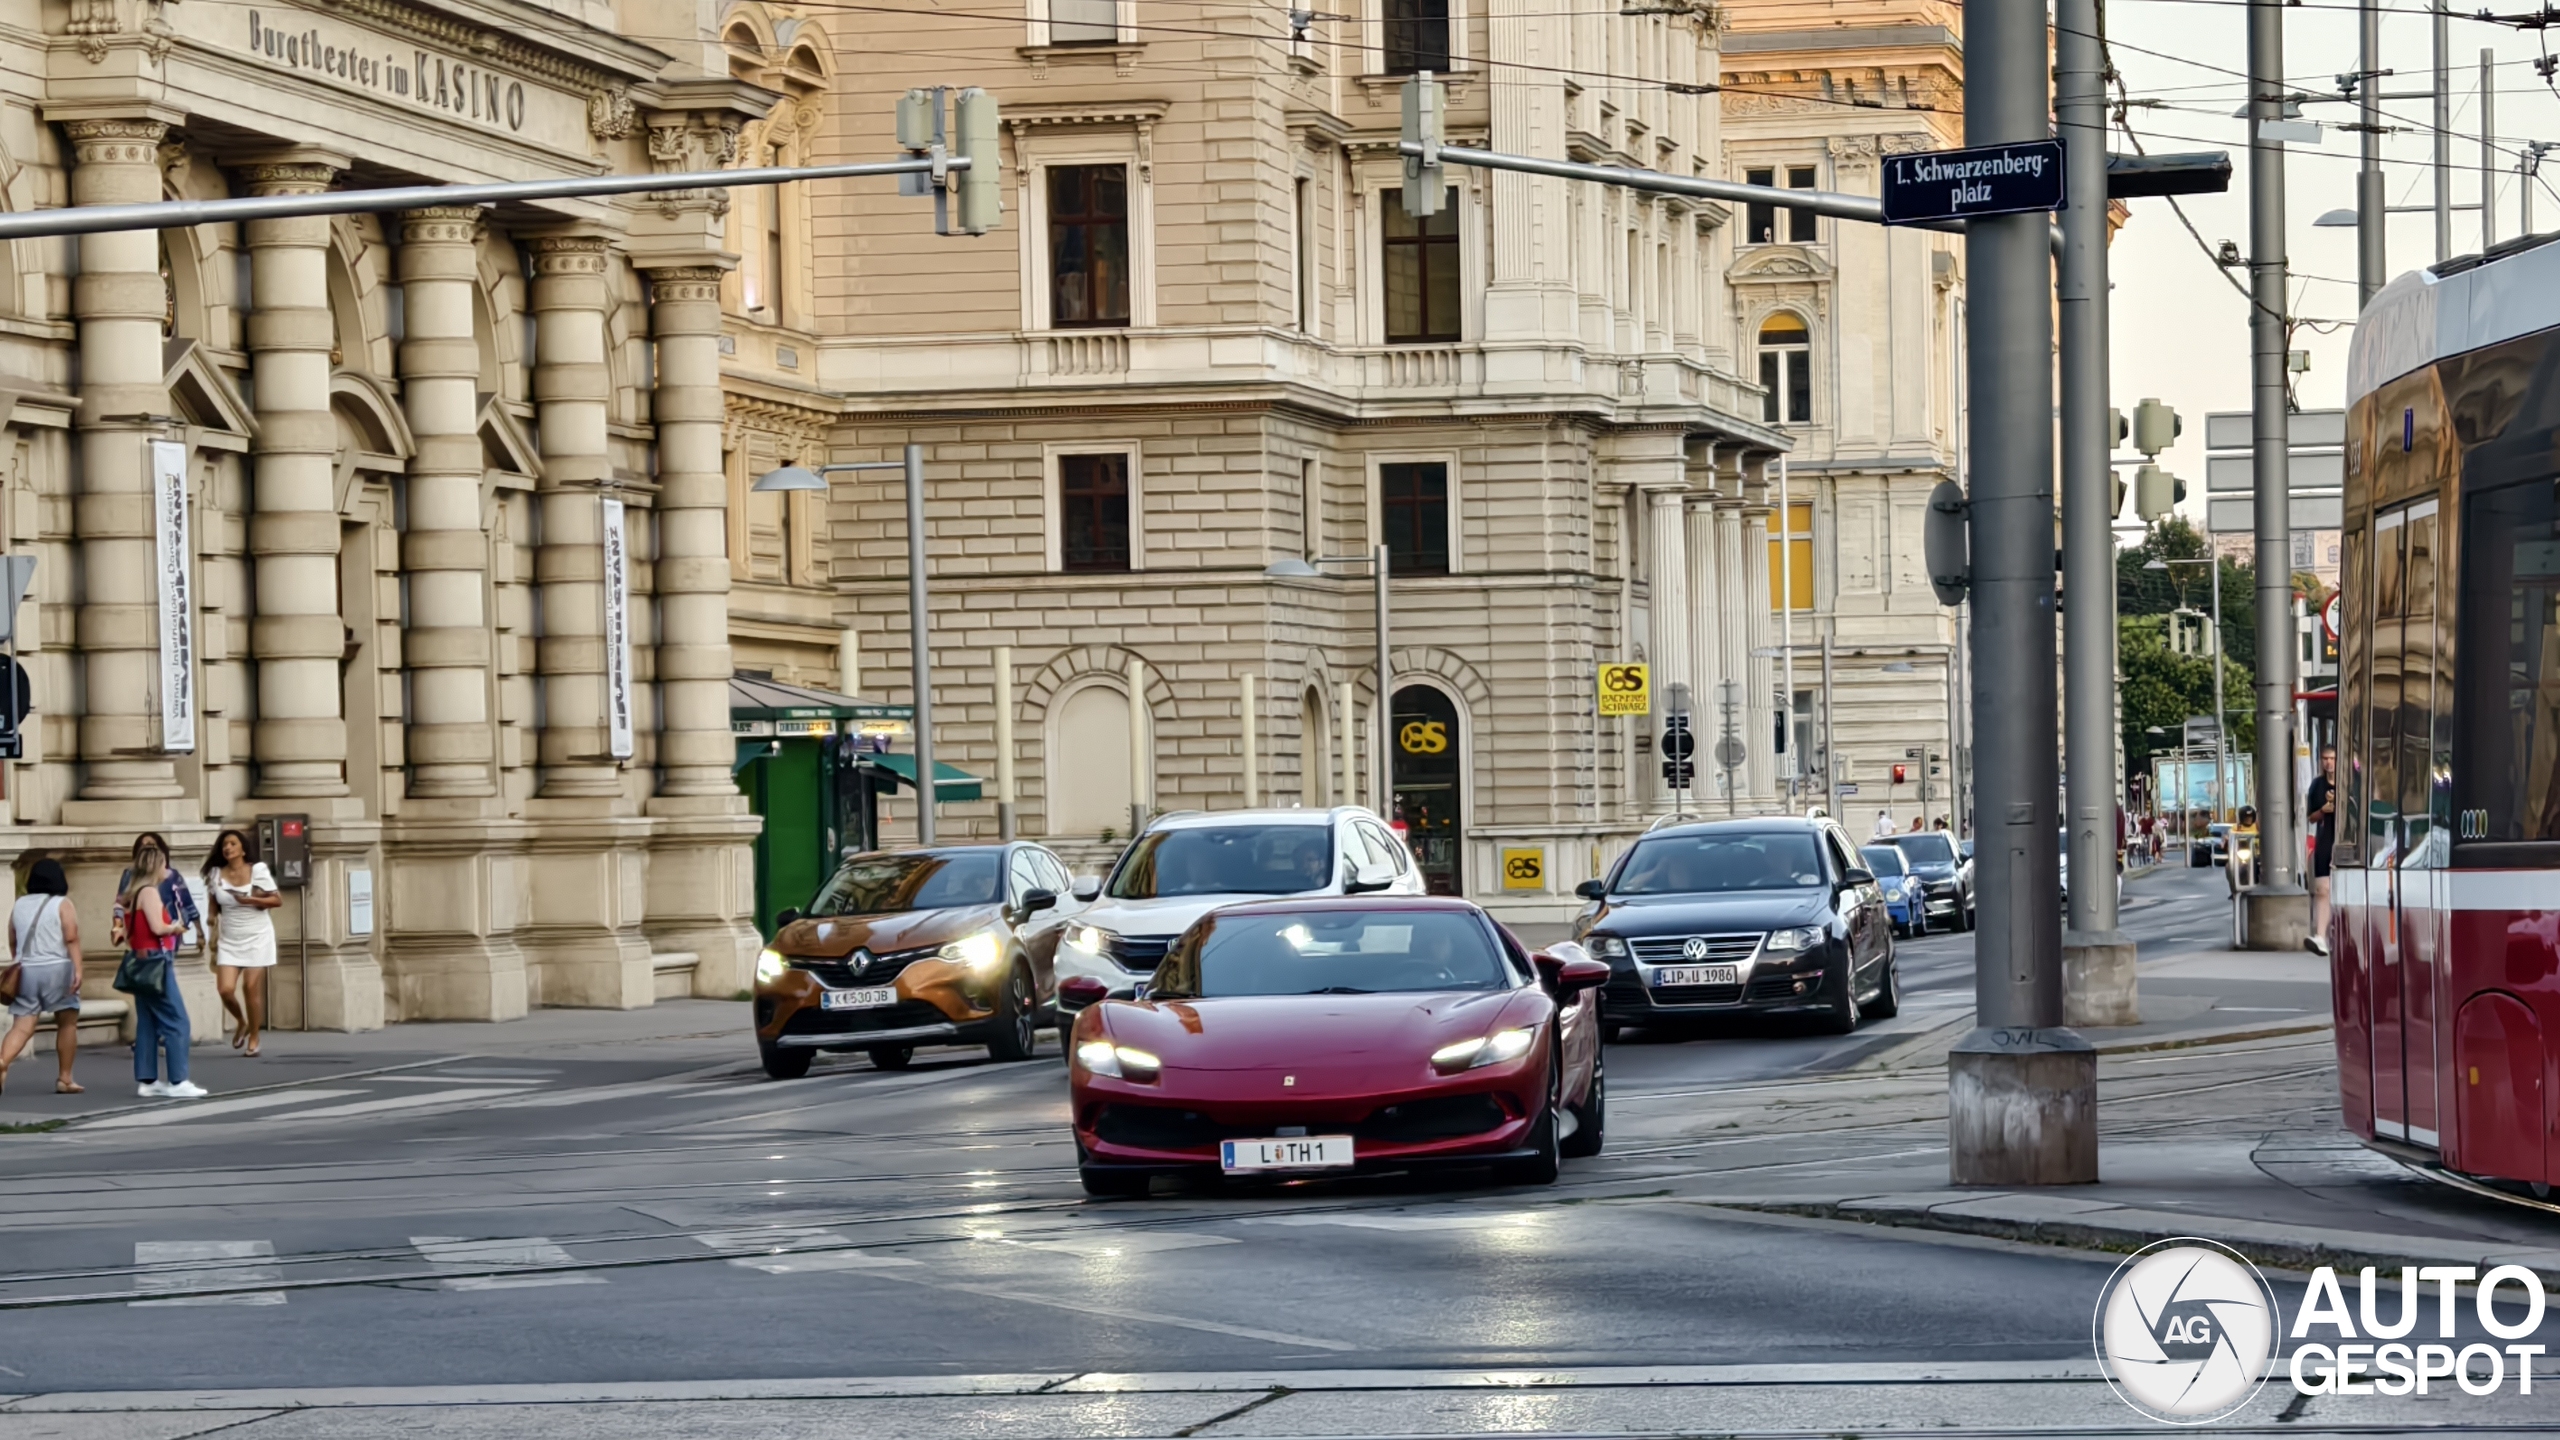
column 1293, row 1038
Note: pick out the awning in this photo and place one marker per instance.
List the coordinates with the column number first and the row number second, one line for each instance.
column 949, row 784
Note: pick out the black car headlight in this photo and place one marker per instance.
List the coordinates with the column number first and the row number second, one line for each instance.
column 1605, row 947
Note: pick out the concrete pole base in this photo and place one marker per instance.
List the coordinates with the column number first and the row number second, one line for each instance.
column 2022, row 1108
column 2274, row 917
column 2098, row 984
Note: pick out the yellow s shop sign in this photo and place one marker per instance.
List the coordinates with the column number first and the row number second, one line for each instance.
column 1625, row 690
column 1524, row 869
column 1424, row 737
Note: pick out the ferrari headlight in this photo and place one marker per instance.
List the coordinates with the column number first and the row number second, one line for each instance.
column 979, row 952
column 1482, row 1050
column 770, row 965
column 1123, row 1062
column 1794, row 939
column 1606, row 947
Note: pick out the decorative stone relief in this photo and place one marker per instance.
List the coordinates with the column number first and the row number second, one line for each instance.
column 611, row 115
column 92, row 21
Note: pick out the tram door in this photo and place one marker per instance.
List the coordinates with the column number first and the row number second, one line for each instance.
column 2409, row 758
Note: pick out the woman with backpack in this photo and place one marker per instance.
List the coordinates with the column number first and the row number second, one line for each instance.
column 44, row 943
column 150, row 975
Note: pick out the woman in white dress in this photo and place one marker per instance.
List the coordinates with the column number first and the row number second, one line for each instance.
column 244, row 947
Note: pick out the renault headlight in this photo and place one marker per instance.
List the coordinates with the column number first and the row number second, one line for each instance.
column 1482, row 1050
column 770, row 965
column 1795, row 939
column 1606, row 947
column 1121, row 1062
column 978, row 952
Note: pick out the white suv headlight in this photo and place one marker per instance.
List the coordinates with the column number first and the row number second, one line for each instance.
column 1090, row 939
column 1794, row 939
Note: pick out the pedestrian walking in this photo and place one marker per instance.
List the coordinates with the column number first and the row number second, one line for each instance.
column 174, row 892
column 44, row 946
column 244, row 935
column 2322, row 803
column 1884, row 826
column 150, row 929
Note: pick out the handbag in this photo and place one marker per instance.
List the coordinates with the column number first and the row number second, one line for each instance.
column 142, row 976
column 16, row 972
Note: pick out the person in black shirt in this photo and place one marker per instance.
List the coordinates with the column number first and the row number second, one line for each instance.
column 2321, row 807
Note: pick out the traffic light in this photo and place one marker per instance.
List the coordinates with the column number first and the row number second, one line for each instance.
column 1425, row 118
column 2117, row 477
column 2156, row 427
column 919, row 120
column 2117, row 429
column 1901, row 773
column 2156, row 492
column 981, row 185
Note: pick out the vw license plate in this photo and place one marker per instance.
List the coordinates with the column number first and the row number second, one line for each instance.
column 1314, row 1152
column 877, row 998
column 1670, row 975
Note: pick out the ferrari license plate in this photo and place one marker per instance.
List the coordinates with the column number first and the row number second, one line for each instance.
column 1670, row 975
column 879, row 997
column 1314, row 1152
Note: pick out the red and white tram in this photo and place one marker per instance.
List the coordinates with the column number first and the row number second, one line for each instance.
column 2445, row 940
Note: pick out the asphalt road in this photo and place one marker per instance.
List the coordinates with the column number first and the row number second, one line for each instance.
column 586, row 1215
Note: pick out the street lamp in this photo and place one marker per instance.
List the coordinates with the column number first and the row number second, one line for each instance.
column 1290, row 567
column 801, row 477
column 2221, row 718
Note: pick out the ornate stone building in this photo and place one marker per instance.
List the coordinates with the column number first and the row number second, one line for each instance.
column 1854, row 333
column 419, row 524
column 1207, row 339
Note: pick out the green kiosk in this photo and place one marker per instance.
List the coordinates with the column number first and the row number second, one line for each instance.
column 814, row 764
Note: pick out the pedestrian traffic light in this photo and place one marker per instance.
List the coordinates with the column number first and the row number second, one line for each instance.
column 1900, row 773
column 1425, row 113
column 981, row 185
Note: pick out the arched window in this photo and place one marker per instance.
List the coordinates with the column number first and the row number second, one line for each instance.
column 1786, row 371
column 1088, row 769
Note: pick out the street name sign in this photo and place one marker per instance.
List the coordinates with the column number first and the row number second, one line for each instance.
column 1938, row 185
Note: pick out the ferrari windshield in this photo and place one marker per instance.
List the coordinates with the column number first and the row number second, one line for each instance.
column 1226, row 860
column 1336, row 952
column 918, row 880
column 1719, row 861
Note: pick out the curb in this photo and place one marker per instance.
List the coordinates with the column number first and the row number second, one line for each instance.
column 2273, row 1246
column 2225, row 1035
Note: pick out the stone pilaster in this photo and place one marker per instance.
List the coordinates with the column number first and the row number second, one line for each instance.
column 297, row 635
column 571, row 389
column 452, row 747
column 701, row 866
column 1761, row 674
column 118, row 301
column 1706, row 635
column 1666, row 538
column 1733, row 626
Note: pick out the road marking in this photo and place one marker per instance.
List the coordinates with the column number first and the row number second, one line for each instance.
column 206, row 1265
column 797, row 1250
column 395, row 1102
column 532, row 1253
column 1491, row 1220
column 1112, row 1245
column 183, row 1110
column 449, row 1078
column 1144, row 1317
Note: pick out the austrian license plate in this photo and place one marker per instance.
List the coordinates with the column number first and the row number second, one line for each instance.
column 1314, row 1152
column 1670, row 975
column 877, row 998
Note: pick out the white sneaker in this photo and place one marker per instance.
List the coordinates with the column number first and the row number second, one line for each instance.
column 152, row 1091
column 186, row 1090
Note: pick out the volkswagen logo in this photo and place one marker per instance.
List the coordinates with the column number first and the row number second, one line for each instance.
column 1696, row 948
column 2187, row 1331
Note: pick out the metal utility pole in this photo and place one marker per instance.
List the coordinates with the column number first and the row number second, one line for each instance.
column 1787, row 634
column 2488, row 149
column 1830, row 756
column 928, row 790
column 2022, row 1090
column 2371, row 217
column 1382, row 715
column 2441, row 19
column 2278, row 908
column 2097, row 960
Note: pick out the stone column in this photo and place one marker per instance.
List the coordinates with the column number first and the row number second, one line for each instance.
column 1761, row 674
column 1706, row 634
column 1732, row 628
column 1666, row 538
column 571, row 391
column 118, row 301
column 452, row 748
column 702, row 884
column 297, row 636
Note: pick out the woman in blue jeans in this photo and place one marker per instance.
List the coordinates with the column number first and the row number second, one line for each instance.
column 160, row 1020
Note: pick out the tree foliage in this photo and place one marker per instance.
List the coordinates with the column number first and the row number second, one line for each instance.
column 2144, row 591
column 2165, row 688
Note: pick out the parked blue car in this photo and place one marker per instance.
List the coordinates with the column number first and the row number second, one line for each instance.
column 1905, row 899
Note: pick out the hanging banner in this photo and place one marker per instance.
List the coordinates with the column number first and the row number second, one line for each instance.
column 177, row 599
column 617, row 634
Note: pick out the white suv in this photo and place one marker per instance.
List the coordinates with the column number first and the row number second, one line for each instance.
column 1191, row 862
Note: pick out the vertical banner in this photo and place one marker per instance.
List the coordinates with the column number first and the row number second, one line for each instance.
column 177, row 598
column 617, row 633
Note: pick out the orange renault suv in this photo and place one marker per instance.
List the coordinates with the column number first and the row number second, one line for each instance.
column 944, row 946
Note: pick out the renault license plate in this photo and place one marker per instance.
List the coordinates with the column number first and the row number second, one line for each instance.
column 877, row 998
column 1670, row 975
column 1312, row 1152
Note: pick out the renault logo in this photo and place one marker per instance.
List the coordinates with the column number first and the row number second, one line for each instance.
column 1696, row 949
column 859, row 958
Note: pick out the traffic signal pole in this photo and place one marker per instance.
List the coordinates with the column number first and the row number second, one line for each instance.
column 2022, row 1088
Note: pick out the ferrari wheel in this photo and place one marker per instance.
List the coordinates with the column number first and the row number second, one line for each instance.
column 784, row 1064
column 1590, row 1118
column 1017, row 1019
column 1888, row 1001
column 892, row 1057
column 1542, row 1167
column 1104, row 1184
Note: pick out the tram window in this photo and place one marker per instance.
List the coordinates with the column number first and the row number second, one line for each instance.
column 2355, row 693
column 2426, row 695
column 2508, row 778
column 2382, row 795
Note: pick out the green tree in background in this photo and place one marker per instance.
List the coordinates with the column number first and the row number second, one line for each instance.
column 2162, row 687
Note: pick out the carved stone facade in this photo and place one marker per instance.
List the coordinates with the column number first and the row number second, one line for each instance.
column 398, row 444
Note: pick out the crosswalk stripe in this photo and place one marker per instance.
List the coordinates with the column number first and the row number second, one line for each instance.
column 398, row 1102
column 533, row 1253
column 184, row 1110
column 795, row 1250
column 207, row 1265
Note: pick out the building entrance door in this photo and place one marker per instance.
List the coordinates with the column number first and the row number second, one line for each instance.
column 1427, row 767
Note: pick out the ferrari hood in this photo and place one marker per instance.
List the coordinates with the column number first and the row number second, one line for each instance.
column 1310, row 1032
